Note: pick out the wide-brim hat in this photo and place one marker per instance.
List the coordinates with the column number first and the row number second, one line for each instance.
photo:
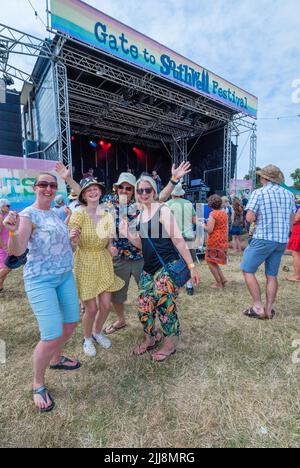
column 272, row 173
column 12, row 262
column 88, row 182
column 73, row 196
column 178, row 191
column 126, row 177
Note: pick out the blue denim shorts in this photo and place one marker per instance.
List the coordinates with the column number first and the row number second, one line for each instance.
column 262, row 251
column 54, row 301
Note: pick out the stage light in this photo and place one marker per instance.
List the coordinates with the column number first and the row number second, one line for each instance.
column 93, row 144
column 73, row 138
column 101, row 142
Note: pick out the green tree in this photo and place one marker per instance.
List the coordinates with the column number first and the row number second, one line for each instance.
column 296, row 178
column 257, row 184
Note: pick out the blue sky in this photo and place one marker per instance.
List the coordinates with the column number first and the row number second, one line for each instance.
column 253, row 43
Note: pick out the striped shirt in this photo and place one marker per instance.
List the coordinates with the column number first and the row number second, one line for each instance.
column 273, row 206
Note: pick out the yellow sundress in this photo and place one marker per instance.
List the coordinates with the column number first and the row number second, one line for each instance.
column 94, row 271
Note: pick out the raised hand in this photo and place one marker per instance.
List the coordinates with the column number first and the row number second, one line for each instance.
column 12, row 221
column 181, row 171
column 63, row 171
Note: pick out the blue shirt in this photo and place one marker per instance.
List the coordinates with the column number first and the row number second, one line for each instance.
column 273, row 206
column 50, row 251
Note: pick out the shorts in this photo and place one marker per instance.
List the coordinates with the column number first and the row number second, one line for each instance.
column 236, row 231
column 125, row 269
column 54, row 301
column 263, row 251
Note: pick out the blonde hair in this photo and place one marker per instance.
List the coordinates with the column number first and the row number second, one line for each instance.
column 150, row 181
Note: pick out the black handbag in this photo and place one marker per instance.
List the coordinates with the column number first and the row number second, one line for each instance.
column 178, row 271
column 13, row 262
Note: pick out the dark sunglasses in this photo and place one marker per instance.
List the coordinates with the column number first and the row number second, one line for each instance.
column 141, row 191
column 128, row 189
column 44, row 185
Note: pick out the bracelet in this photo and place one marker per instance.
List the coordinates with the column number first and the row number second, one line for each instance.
column 191, row 266
column 174, row 181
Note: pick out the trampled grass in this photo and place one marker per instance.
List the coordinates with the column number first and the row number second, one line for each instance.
column 231, row 384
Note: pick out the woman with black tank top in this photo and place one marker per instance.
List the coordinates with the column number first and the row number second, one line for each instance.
column 158, row 293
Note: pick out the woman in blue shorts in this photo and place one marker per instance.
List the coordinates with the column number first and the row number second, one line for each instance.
column 49, row 282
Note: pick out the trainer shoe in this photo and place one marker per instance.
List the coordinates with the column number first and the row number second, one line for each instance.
column 102, row 340
column 89, row 348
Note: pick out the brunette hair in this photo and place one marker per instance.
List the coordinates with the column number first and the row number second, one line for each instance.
column 215, row 202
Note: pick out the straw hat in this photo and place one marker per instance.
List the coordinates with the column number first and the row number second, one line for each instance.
column 272, row 173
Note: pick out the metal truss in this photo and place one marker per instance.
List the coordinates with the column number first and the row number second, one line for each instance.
column 227, row 157
column 253, row 153
column 115, row 74
column 62, row 115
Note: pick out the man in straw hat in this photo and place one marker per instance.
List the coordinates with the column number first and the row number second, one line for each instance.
column 272, row 208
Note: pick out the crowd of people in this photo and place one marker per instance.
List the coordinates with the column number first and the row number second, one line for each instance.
column 87, row 252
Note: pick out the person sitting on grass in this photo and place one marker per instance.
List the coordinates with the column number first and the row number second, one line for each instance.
column 217, row 243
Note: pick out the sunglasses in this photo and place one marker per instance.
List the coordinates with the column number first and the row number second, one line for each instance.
column 128, row 189
column 146, row 190
column 44, row 185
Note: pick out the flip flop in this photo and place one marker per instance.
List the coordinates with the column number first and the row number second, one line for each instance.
column 149, row 348
column 110, row 329
column 287, row 279
column 165, row 356
column 252, row 314
column 62, row 365
column 44, row 393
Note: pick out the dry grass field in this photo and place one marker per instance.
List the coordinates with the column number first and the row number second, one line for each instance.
column 231, row 377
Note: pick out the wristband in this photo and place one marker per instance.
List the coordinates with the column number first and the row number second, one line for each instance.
column 174, row 181
column 12, row 234
column 191, row 266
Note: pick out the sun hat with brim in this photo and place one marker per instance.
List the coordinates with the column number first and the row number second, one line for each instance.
column 178, row 191
column 58, row 200
column 126, row 177
column 272, row 173
column 73, row 196
column 88, row 182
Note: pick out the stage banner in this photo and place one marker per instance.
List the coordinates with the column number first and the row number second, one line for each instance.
column 239, row 188
column 17, row 176
column 86, row 24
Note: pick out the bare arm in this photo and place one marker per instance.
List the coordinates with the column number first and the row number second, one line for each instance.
column 251, row 217
column 21, row 230
column 297, row 217
column 65, row 173
column 1, row 228
column 210, row 226
column 177, row 174
column 134, row 238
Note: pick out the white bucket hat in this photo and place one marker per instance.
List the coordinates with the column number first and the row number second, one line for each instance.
column 178, row 191
column 126, row 177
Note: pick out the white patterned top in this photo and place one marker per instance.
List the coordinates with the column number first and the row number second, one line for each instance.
column 50, row 251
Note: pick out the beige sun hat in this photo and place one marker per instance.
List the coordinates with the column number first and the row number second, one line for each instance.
column 126, row 177
column 272, row 173
column 178, row 191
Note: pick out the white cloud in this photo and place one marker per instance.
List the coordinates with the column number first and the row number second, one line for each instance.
column 254, row 44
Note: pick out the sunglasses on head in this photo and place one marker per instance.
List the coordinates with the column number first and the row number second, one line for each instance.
column 44, row 185
column 128, row 189
column 141, row 191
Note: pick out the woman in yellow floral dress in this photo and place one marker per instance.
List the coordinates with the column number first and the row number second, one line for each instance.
column 94, row 269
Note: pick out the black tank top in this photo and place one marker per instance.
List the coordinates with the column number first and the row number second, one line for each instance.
column 155, row 230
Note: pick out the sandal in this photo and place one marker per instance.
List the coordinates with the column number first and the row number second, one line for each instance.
column 141, row 350
column 62, row 365
column 164, row 356
column 110, row 329
column 252, row 314
column 44, row 393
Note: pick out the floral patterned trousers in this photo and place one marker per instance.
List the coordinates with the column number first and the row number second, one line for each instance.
column 158, row 297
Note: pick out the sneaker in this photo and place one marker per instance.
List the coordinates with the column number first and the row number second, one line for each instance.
column 102, row 340
column 190, row 291
column 89, row 348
